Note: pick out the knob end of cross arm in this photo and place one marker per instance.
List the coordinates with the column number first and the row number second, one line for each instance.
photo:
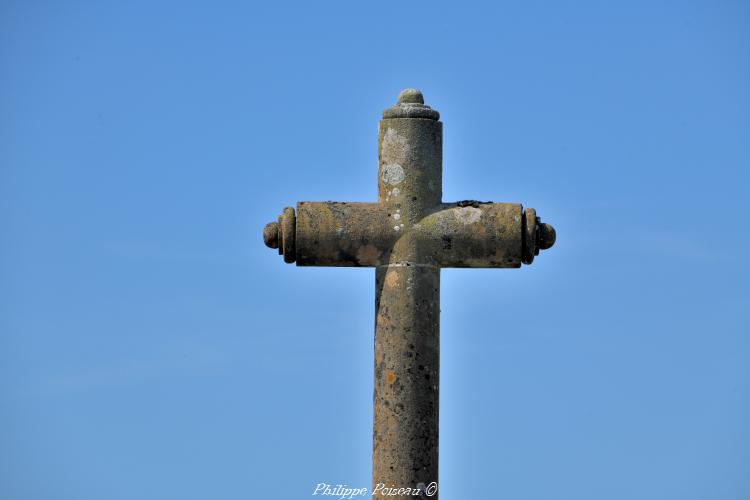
column 271, row 235
column 536, row 236
column 546, row 236
column 282, row 235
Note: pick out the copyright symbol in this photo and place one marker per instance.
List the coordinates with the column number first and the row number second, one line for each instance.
column 431, row 489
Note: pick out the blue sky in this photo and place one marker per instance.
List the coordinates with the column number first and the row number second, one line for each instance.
column 151, row 347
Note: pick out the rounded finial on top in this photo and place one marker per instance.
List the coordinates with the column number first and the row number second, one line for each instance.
column 410, row 96
column 411, row 105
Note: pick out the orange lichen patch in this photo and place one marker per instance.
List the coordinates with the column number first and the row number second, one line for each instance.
column 390, row 377
column 368, row 254
column 391, row 279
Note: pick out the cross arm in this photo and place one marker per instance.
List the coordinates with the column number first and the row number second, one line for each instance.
column 462, row 234
column 482, row 234
column 330, row 233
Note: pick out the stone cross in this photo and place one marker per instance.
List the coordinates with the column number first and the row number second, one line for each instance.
column 408, row 236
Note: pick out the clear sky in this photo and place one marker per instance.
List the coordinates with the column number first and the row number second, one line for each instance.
column 152, row 348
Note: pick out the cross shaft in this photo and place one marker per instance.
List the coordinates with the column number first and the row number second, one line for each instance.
column 408, row 236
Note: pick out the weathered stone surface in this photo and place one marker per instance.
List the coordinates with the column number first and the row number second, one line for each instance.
column 408, row 236
column 407, row 375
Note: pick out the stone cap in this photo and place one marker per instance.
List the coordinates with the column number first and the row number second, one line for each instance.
column 411, row 105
